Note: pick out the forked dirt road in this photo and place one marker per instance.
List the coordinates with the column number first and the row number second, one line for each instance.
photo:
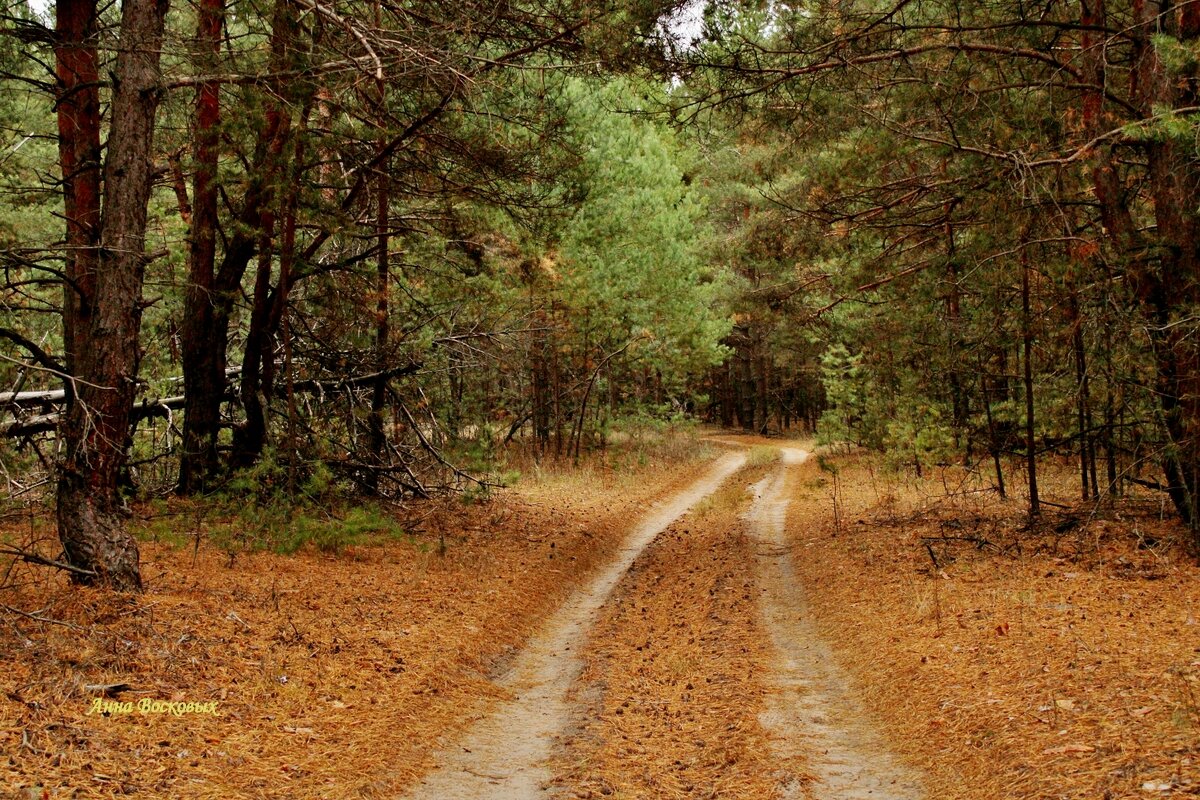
column 810, row 710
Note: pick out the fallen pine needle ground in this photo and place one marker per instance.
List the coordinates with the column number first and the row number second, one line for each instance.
column 332, row 675
column 673, row 682
column 1058, row 661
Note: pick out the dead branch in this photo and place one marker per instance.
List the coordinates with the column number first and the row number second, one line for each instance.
column 36, row 616
column 34, row 558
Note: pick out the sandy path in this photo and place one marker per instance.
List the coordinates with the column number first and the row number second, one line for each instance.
column 812, row 713
column 503, row 757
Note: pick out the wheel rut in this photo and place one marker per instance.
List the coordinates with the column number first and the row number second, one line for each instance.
column 812, row 711
column 504, row 756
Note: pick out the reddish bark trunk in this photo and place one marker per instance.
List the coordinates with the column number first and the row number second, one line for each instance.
column 1167, row 283
column 79, row 158
column 90, row 509
column 1163, row 264
column 207, row 305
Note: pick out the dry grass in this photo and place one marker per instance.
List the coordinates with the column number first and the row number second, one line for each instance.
column 336, row 676
column 1057, row 662
column 616, row 468
column 672, row 686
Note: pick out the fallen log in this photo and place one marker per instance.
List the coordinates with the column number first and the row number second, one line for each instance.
column 45, row 423
column 42, row 398
column 162, row 406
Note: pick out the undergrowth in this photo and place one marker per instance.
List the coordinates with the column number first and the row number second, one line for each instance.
column 629, row 446
column 267, row 509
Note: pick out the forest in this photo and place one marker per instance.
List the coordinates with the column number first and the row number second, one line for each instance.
column 367, row 246
column 303, row 255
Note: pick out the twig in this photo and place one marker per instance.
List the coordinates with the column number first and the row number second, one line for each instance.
column 235, row 618
column 28, row 745
column 34, row 558
column 978, row 541
column 433, row 451
column 37, row 618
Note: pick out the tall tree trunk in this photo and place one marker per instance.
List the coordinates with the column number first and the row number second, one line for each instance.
column 378, row 440
column 958, row 396
column 762, row 389
column 206, row 306
column 1081, row 393
column 90, row 510
column 1110, row 454
column 725, row 382
column 269, row 303
column 267, row 316
column 1165, row 278
column 556, row 391
column 745, row 384
column 206, row 353
column 383, row 201
column 250, row 437
column 78, row 105
column 1162, row 267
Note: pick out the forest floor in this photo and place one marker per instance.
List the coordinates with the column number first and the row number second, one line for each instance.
column 730, row 620
column 1060, row 660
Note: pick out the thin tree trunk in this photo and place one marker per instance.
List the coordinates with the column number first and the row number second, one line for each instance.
column 1080, row 394
column 556, row 383
column 250, row 438
column 762, row 385
column 1110, row 454
column 378, row 440
column 728, row 397
column 279, row 327
column 958, row 395
column 745, row 390
column 1027, row 343
column 994, row 443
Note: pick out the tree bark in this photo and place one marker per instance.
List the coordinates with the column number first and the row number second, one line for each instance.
column 1027, row 344
column 383, row 201
column 1163, row 265
column 206, row 306
column 78, row 104
column 258, row 358
column 1082, row 415
column 90, row 509
column 993, row 443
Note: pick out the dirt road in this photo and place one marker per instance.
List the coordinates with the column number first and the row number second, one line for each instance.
column 808, row 713
column 504, row 756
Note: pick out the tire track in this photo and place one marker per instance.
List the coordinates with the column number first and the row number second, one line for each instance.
column 812, row 713
column 670, row 696
column 503, row 757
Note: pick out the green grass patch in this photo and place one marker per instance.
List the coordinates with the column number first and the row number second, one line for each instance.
column 289, row 530
column 284, row 528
